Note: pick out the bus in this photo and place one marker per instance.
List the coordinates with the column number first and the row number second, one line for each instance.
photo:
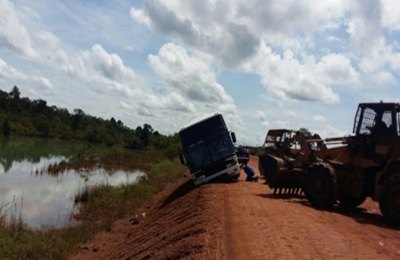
column 208, row 150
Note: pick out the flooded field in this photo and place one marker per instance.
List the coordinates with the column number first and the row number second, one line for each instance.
column 42, row 198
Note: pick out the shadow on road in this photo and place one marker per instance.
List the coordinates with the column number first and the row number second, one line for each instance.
column 358, row 214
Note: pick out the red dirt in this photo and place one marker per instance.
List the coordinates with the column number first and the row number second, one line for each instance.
column 244, row 220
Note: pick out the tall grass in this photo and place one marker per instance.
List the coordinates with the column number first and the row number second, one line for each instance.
column 101, row 206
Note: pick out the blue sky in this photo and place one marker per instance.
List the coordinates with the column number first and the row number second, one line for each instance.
column 262, row 64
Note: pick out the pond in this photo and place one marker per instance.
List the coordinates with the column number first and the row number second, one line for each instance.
column 28, row 191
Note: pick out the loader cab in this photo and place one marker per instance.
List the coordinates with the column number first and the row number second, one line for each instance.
column 378, row 120
column 376, row 129
column 278, row 140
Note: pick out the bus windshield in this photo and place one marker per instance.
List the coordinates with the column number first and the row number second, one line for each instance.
column 212, row 149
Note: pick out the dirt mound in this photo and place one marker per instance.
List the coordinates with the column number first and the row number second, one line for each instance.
column 175, row 224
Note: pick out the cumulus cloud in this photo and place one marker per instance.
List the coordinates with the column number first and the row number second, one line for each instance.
column 232, row 31
column 125, row 105
column 186, row 23
column 236, row 32
column 383, row 78
column 319, row 119
column 172, row 101
column 14, row 35
column 110, row 65
column 286, row 77
column 192, row 86
column 247, row 36
column 391, row 14
column 336, row 69
column 260, row 115
column 10, row 73
column 100, row 70
column 365, row 27
column 280, row 20
column 376, row 53
column 191, row 77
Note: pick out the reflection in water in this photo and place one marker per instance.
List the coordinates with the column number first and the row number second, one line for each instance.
column 43, row 199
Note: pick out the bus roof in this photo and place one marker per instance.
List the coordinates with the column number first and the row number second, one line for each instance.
column 199, row 119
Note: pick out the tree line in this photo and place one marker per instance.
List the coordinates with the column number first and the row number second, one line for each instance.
column 21, row 116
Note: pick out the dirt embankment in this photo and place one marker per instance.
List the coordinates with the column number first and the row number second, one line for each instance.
column 243, row 220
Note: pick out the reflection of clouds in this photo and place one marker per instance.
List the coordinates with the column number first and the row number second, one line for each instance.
column 119, row 177
column 44, row 163
column 49, row 200
column 2, row 170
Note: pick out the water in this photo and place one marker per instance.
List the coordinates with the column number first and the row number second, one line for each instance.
column 42, row 199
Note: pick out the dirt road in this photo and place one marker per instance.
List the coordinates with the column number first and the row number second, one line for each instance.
column 244, row 220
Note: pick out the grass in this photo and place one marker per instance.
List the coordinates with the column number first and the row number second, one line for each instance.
column 100, row 206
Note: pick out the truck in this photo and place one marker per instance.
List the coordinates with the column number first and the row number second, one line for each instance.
column 208, row 150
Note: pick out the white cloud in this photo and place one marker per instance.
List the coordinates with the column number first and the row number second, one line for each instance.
column 391, row 14
column 383, row 78
column 246, row 36
column 336, row 69
column 140, row 16
column 328, row 130
column 376, row 54
column 110, row 65
column 288, row 78
column 232, row 30
column 191, row 85
column 265, row 124
column 191, row 77
column 10, row 73
column 145, row 112
column 364, row 27
column 125, row 105
column 186, row 23
column 101, row 71
column 260, row 115
column 14, row 35
column 172, row 101
column 319, row 119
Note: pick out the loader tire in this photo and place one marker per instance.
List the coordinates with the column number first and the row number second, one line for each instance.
column 389, row 201
column 320, row 185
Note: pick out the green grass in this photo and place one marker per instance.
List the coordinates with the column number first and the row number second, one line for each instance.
column 101, row 206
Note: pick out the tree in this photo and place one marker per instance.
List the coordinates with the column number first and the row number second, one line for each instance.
column 39, row 107
column 93, row 136
column 145, row 134
column 15, row 98
column 77, row 120
column 42, row 126
column 6, row 128
column 305, row 132
column 15, row 93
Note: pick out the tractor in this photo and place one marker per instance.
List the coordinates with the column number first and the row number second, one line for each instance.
column 351, row 168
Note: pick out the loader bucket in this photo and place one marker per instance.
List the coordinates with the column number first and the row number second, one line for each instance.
column 279, row 175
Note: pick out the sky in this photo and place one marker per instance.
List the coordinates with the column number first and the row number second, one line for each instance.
column 262, row 64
